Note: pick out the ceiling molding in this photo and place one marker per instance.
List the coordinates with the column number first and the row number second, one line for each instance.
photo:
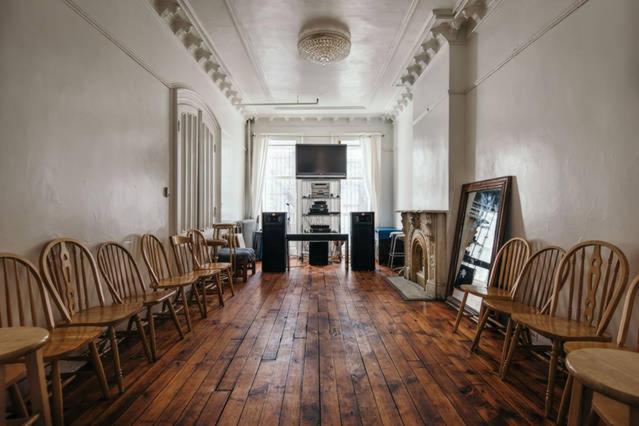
column 446, row 26
column 319, row 118
column 187, row 29
column 248, row 48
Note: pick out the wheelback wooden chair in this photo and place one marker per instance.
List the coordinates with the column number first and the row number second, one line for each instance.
column 504, row 271
column 125, row 282
column 531, row 294
column 202, row 259
column 26, row 304
column 209, row 278
column 72, row 276
column 611, row 411
column 594, row 274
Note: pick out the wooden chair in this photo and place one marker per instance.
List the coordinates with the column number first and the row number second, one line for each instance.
column 509, row 261
column 595, row 274
column 209, row 278
column 202, row 259
column 71, row 274
column 618, row 343
column 125, row 283
column 26, row 304
column 531, row 293
column 159, row 268
column 25, row 343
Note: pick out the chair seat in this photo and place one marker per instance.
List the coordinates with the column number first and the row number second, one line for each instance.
column 243, row 255
column 561, row 328
column 13, row 373
column 104, row 315
column 486, row 292
column 573, row 346
column 184, row 280
column 508, row 306
column 151, row 298
column 64, row 340
column 216, row 266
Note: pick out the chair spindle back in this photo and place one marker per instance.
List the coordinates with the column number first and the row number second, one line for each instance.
column 534, row 285
column 509, row 262
column 626, row 316
column 183, row 253
column 120, row 271
column 23, row 293
column 595, row 275
column 155, row 258
column 200, row 250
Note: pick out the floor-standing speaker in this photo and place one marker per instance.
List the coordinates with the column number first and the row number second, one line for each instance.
column 363, row 241
column 274, row 250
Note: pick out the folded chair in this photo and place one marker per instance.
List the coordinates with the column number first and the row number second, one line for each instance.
column 71, row 275
column 504, row 271
column 531, row 294
column 126, row 284
column 594, row 274
column 26, row 304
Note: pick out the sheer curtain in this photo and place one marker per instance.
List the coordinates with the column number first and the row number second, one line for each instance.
column 371, row 158
column 258, row 166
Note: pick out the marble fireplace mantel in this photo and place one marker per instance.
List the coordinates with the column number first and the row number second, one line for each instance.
column 425, row 249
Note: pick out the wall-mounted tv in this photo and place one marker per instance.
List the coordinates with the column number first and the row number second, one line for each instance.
column 320, row 161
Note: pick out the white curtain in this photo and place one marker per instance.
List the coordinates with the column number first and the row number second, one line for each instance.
column 258, row 167
column 372, row 155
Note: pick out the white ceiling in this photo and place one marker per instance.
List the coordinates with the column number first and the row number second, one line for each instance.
column 257, row 43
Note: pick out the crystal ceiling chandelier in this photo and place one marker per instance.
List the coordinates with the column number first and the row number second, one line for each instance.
column 324, row 46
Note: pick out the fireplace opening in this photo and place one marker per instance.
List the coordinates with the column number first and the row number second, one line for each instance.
column 419, row 254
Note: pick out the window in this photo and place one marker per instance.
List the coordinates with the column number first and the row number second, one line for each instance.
column 355, row 195
column 280, row 193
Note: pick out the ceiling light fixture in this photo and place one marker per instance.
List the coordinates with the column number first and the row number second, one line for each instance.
column 324, row 45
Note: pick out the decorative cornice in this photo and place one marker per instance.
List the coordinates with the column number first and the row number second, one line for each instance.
column 189, row 33
column 446, row 26
column 320, row 118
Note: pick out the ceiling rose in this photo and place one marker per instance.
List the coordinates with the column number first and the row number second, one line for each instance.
column 324, row 45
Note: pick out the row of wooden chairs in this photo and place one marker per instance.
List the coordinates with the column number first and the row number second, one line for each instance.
column 533, row 292
column 69, row 277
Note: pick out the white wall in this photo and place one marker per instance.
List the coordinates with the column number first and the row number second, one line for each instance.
column 311, row 126
column 84, row 129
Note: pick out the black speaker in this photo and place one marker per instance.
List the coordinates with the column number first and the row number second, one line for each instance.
column 363, row 241
column 274, row 247
column 318, row 253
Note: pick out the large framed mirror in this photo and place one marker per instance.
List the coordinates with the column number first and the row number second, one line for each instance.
column 481, row 221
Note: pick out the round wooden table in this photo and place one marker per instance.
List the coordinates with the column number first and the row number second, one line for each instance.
column 610, row 372
column 26, row 342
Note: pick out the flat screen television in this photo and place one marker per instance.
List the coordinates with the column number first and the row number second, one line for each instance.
column 320, row 161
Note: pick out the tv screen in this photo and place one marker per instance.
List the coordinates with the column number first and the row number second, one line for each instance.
column 320, row 161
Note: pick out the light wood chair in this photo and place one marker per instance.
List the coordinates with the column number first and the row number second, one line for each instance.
column 531, row 294
column 26, row 304
column 202, row 259
column 73, row 281
column 595, row 275
column 619, row 343
column 16, row 344
column 126, row 284
column 509, row 261
column 209, row 278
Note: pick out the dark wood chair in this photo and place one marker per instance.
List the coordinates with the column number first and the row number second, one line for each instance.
column 606, row 408
column 531, row 294
column 595, row 275
column 202, row 259
column 504, row 271
column 209, row 277
column 26, row 304
column 72, row 277
column 125, row 283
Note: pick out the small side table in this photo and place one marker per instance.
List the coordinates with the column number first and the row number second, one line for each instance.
column 27, row 342
column 612, row 373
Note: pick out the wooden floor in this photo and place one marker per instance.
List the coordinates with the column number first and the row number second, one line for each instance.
column 317, row 345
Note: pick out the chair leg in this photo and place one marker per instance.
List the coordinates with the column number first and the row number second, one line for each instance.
column 565, row 401
column 460, row 314
column 38, row 387
column 511, row 351
column 174, row 317
column 507, row 342
column 552, row 373
column 228, row 274
column 57, row 410
column 195, row 292
column 17, row 401
column 142, row 333
column 116, row 359
column 483, row 318
column 220, row 296
column 150, row 319
column 187, row 314
column 99, row 370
